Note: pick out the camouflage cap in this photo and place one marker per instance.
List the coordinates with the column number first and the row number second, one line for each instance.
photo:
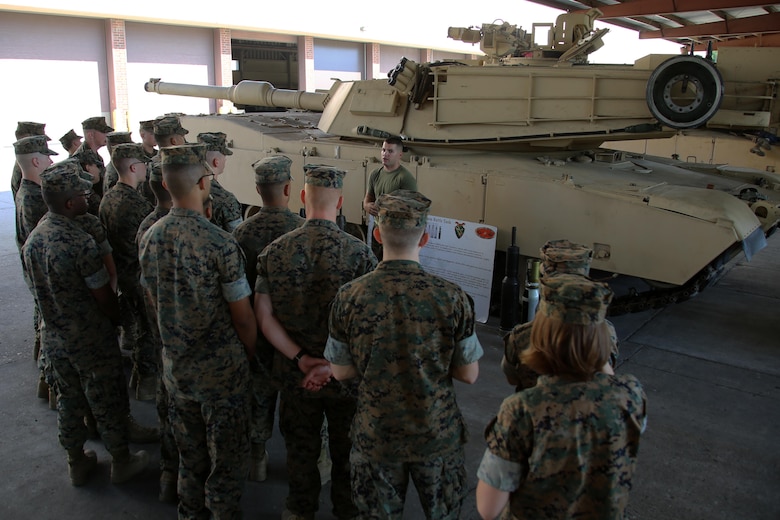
column 128, row 151
column 115, row 138
column 69, row 137
column 169, row 125
column 215, row 142
column 324, row 176
column 33, row 144
column 273, row 169
column 147, row 125
column 96, row 123
column 403, row 209
column 574, row 299
column 30, row 128
column 192, row 153
column 563, row 256
column 63, row 177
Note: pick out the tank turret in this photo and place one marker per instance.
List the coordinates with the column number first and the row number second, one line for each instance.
column 515, row 139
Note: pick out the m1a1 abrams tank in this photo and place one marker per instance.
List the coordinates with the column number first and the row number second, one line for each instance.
column 514, row 140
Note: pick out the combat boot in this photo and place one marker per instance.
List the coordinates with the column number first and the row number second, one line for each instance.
column 325, row 465
column 91, row 424
column 43, row 388
column 168, row 482
column 132, row 465
column 80, row 465
column 141, row 434
column 52, row 398
column 258, row 464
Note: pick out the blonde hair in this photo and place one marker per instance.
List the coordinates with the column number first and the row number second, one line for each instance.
column 567, row 349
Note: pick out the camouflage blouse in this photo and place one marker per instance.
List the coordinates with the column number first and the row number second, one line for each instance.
column 566, row 449
column 404, row 329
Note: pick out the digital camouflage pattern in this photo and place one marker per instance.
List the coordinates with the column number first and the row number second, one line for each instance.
column 191, row 281
column 379, row 487
column 70, row 136
column 121, row 212
column 573, row 299
column 253, row 235
column 156, row 214
column 204, row 364
column 65, row 264
column 404, row 329
column 273, row 169
column 128, row 150
column 565, row 257
column 227, row 210
column 83, row 148
column 96, row 123
column 403, row 209
column 301, row 272
column 324, row 176
column 30, row 208
column 215, row 142
column 31, row 128
column 110, row 178
column 168, row 125
column 33, row 144
column 566, row 449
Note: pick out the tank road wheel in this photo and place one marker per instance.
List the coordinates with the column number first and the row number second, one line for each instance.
column 684, row 91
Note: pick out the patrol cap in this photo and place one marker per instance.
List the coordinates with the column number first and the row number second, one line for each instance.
column 129, row 151
column 403, row 209
column 273, row 169
column 563, row 256
column 33, row 144
column 63, row 177
column 574, row 299
column 147, row 125
column 115, row 138
column 215, row 142
column 324, row 176
column 69, row 137
column 168, row 125
column 30, row 128
column 191, row 153
column 96, row 123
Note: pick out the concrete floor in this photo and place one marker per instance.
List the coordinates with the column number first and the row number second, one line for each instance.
column 710, row 368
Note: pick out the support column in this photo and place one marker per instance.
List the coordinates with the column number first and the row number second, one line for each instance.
column 116, row 54
column 223, row 67
column 428, row 55
column 375, row 72
column 306, row 79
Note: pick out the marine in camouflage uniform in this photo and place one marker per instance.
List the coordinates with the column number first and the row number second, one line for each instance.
column 71, row 286
column 111, row 177
column 121, row 212
column 227, row 210
column 297, row 277
column 567, row 447
column 90, row 162
column 404, row 334
column 195, row 276
column 558, row 257
column 95, row 130
column 274, row 219
column 24, row 129
column 71, row 141
column 34, row 153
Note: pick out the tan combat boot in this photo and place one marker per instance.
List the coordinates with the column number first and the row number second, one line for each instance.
column 145, row 388
column 141, row 434
column 132, row 465
column 258, row 464
column 168, row 492
column 80, row 465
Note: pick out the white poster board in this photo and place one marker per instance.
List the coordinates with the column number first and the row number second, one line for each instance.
column 462, row 252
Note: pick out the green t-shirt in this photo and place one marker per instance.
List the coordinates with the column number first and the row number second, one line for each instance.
column 382, row 181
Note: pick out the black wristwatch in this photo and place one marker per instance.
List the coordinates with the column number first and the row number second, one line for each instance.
column 298, row 356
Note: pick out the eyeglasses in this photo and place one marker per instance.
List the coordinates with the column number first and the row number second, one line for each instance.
column 86, row 194
column 140, row 162
column 207, row 175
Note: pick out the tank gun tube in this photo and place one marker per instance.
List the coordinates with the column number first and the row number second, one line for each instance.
column 258, row 93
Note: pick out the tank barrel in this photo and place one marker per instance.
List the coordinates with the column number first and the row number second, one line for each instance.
column 257, row 93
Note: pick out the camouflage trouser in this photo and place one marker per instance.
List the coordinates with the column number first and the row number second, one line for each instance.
column 300, row 421
column 213, row 442
column 96, row 385
column 169, row 453
column 264, row 395
column 136, row 323
column 379, row 488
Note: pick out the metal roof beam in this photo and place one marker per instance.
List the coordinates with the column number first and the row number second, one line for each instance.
column 760, row 40
column 768, row 23
column 648, row 7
